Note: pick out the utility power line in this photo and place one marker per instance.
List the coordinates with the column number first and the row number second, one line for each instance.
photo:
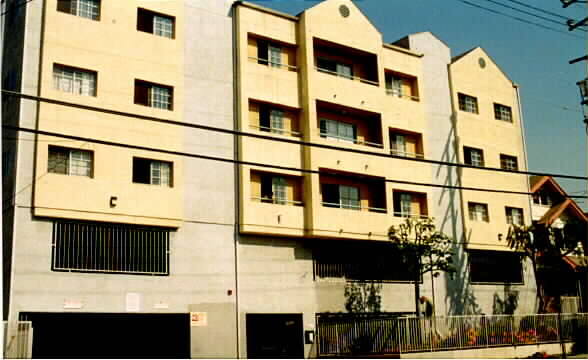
column 290, row 141
column 520, row 19
column 529, row 13
column 251, row 163
column 539, row 9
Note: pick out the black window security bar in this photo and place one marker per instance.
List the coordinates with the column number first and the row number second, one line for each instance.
column 110, row 248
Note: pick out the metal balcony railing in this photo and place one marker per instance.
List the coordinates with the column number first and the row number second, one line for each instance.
column 348, row 139
column 277, row 201
column 353, row 207
column 276, row 130
column 273, row 64
column 350, row 77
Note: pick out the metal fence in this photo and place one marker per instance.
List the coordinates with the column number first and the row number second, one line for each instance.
column 349, row 334
column 18, row 340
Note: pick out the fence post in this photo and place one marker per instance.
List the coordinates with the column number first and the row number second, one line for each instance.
column 512, row 330
column 559, row 334
column 397, row 320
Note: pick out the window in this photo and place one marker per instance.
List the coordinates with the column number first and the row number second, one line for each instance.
column 467, row 103
column 269, row 53
column 514, row 216
column 332, row 129
column 274, row 189
column 112, row 248
column 74, row 80
column 508, row 162
column 70, row 161
column 404, row 144
column 478, row 212
column 362, row 262
column 277, row 121
column 394, row 85
column 473, row 156
column 89, row 9
column 401, row 85
column 153, row 95
column 153, row 172
column 502, row 112
column 542, row 198
column 341, row 196
column 155, row 23
column 495, row 267
column 408, row 204
column 332, row 66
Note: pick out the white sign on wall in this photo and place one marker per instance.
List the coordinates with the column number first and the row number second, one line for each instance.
column 133, row 302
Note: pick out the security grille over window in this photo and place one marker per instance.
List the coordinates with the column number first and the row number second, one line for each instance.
column 89, row 9
column 468, row 103
column 69, row 161
column 502, row 112
column 160, row 97
column 514, row 216
column 163, row 26
column 113, row 248
column 508, row 162
column 478, row 212
column 74, row 80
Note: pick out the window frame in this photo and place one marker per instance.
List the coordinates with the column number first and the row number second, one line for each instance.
column 147, row 21
column 509, row 162
column 169, row 173
column 145, row 95
column 510, row 216
column 76, row 74
column 468, row 103
column 67, row 7
column 469, row 160
column 503, row 113
column 473, row 212
column 340, row 134
column 69, row 167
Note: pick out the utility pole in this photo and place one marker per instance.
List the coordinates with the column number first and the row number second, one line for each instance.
column 583, row 87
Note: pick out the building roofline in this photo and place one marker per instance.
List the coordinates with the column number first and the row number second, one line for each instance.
column 266, row 10
column 402, row 50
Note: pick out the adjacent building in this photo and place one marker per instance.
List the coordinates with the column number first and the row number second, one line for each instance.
column 112, row 244
column 339, row 136
column 351, row 135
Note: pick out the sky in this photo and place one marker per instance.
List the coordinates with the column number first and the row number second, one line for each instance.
column 533, row 57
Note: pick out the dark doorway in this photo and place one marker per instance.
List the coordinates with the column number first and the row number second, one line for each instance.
column 108, row 335
column 277, row 336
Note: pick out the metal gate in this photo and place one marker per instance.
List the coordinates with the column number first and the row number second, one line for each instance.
column 18, row 340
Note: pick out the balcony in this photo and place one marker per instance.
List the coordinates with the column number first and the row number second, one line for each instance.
column 348, row 125
column 273, row 119
column 271, row 72
column 345, row 62
column 274, row 204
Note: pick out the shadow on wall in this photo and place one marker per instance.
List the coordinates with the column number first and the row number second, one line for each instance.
column 508, row 305
column 460, row 296
column 363, row 296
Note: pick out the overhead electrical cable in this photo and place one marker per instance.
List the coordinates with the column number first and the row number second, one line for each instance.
column 520, row 19
column 529, row 13
column 290, row 141
column 333, row 173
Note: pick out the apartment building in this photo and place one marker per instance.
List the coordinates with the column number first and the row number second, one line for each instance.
column 196, row 258
column 314, row 217
column 108, row 248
